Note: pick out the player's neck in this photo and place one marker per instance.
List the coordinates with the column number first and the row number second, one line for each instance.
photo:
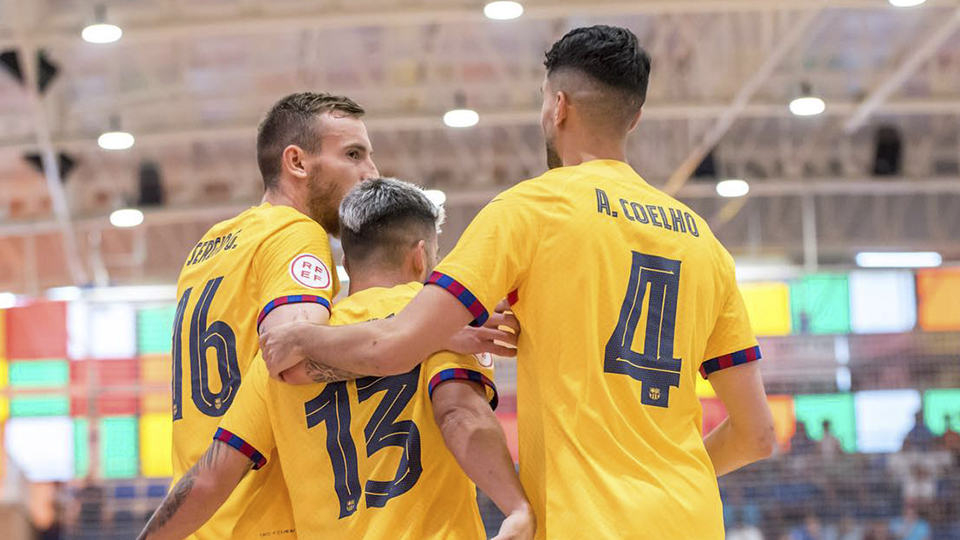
column 278, row 196
column 363, row 280
column 594, row 149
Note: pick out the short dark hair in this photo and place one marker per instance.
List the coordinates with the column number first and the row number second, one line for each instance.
column 381, row 218
column 292, row 120
column 609, row 54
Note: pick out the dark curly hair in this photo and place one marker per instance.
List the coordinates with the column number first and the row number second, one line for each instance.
column 608, row 54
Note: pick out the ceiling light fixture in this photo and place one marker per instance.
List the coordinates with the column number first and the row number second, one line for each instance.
column 115, row 139
column 807, row 104
column 732, row 188
column 906, row 3
column 460, row 116
column 126, row 217
column 101, row 31
column 903, row 259
column 503, row 10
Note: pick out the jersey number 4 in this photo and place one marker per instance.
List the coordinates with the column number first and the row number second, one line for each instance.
column 655, row 367
column 383, row 430
column 218, row 336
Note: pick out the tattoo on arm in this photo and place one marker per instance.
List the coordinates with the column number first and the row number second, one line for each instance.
column 171, row 503
column 174, row 500
column 323, row 373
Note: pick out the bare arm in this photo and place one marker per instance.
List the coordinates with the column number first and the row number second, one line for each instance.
column 199, row 494
column 474, row 436
column 387, row 346
column 747, row 434
column 306, row 371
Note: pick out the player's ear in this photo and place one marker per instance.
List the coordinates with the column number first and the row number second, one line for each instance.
column 420, row 259
column 292, row 161
column 560, row 110
column 636, row 120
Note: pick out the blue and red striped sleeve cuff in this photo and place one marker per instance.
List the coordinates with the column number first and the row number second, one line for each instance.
column 729, row 360
column 462, row 294
column 464, row 375
column 241, row 446
column 291, row 299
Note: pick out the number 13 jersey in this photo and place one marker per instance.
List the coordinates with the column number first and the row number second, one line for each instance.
column 240, row 270
column 365, row 458
column 624, row 295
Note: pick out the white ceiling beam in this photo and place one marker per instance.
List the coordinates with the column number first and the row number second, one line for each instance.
column 48, row 153
column 895, row 80
column 389, row 122
column 740, row 101
column 769, row 188
column 232, row 23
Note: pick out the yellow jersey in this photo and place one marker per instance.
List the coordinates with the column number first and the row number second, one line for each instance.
column 623, row 294
column 240, row 270
column 365, row 458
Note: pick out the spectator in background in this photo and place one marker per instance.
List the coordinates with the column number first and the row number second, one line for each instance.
column 920, row 437
column 910, row 526
column 919, row 468
column 90, row 514
column 849, row 529
column 54, row 529
column 802, row 459
column 950, row 440
column 744, row 531
column 801, row 444
column 742, row 518
column 811, row 529
column 879, row 531
column 829, row 445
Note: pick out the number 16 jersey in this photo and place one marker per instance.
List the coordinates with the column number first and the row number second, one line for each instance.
column 240, row 270
column 623, row 294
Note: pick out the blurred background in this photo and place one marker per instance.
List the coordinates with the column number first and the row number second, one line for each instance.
column 820, row 139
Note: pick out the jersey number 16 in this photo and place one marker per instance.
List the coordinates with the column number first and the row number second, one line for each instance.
column 218, row 336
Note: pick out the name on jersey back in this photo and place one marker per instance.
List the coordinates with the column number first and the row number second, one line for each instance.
column 207, row 249
column 671, row 219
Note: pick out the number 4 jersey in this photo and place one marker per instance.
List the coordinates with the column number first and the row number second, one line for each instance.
column 240, row 270
column 624, row 295
column 365, row 458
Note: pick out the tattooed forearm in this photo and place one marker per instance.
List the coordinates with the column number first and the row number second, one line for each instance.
column 175, row 505
column 322, row 373
column 173, row 501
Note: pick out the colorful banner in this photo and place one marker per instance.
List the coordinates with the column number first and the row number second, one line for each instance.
column 37, row 331
column 769, row 307
column 156, row 434
column 939, row 299
column 836, row 411
column 820, row 304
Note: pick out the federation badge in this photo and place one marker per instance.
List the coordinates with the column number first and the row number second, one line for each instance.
column 485, row 360
column 308, row 270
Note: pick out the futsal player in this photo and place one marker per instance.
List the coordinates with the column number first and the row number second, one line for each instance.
column 270, row 264
column 624, row 295
column 376, row 457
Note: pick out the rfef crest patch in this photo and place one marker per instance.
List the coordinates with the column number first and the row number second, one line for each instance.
column 485, row 360
column 308, row 270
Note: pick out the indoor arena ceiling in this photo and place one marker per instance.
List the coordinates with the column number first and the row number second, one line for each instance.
column 191, row 78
